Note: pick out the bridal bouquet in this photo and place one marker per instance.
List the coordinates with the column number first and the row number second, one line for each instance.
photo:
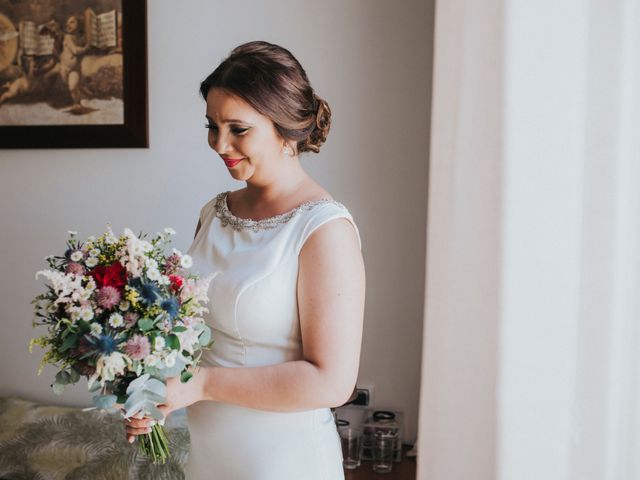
column 124, row 314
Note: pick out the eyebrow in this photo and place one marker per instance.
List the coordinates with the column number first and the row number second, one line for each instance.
column 228, row 120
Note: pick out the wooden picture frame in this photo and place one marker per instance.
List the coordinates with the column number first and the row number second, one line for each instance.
column 133, row 131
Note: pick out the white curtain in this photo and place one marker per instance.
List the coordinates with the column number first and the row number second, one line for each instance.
column 531, row 352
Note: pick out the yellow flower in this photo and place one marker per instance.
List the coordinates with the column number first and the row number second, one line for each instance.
column 132, row 296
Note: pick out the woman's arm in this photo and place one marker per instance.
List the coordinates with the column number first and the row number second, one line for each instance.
column 331, row 293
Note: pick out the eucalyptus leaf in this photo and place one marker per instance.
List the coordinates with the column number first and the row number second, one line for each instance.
column 205, row 336
column 145, row 324
column 176, row 369
column 179, row 329
column 94, row 386
column 63, row 377
column 154, row 413
column 185, row 377
column 58, row 388
column 74, row 375
column 156, row 386
column 104, row 402
column 137, row 383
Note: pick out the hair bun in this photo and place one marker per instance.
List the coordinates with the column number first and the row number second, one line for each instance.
column 321, row 128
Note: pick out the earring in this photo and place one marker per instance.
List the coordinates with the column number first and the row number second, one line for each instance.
column 288, row 151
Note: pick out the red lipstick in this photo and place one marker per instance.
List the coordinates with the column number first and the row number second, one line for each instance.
column 231, row 162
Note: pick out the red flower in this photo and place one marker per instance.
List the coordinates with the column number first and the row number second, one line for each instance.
column 112, row 276
column 176, row 282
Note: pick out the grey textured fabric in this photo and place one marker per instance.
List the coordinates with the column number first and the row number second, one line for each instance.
column 39, row 442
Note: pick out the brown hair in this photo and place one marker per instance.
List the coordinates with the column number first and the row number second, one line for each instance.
column 270, row 79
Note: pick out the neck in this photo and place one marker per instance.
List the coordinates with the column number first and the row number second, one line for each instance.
column 285, row 182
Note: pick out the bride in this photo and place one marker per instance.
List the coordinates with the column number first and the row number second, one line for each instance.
column 287, row 307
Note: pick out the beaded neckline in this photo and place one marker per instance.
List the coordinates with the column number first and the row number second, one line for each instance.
column 237, row 223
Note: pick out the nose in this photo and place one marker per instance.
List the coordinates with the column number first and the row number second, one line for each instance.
column 219, row 141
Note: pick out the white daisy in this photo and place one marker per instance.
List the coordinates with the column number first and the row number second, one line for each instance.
column 153, row 274
column 91, row 262
column 87, row 314
column 186, row 261
column 170, row 360
column 151, row 360
column 76, row 256
column 169, row 231
column 158, row 344
column 116, row 320
column 96, row 329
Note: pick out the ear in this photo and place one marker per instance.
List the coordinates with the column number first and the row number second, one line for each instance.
column 287, row 150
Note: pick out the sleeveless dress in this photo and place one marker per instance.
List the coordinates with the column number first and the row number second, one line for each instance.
column 254, row 321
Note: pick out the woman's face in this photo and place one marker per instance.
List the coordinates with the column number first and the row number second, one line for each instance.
column 247, row 141
column 72, row 24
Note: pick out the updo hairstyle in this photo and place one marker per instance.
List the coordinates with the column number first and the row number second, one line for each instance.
column 270, row 79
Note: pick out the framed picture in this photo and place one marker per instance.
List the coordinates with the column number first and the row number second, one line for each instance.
column 73, row 73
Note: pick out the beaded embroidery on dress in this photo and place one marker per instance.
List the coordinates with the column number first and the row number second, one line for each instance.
column 228, row 218
column 254, row 321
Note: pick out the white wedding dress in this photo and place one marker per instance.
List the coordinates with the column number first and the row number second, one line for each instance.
column 254, row 321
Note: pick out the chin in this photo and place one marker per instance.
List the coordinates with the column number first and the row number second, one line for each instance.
column 242, row 174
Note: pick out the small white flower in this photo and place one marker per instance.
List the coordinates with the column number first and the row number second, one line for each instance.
column 124, row 305
column 96, row 329
column 91, row 262
column 136, row 249
column 151, row 360
column 158, row 344
column 73, row 233
column 169, row 231
column 75, row 315
column 164, row 280
column 152, row 263
column 91, row 239
column 76, row 256
column 170, row 360
column 146, row 246
column 112, row 365
column 87, row 314
column 186, row 261
column 94, row 252
column 153, row 274
column 116, row 320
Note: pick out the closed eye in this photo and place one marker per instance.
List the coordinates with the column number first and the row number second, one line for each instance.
column 235, row 130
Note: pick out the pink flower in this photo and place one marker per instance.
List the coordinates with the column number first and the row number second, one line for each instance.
column 130, row 319
column 171, row 265
column 108, row 297
column 75, row 268
column 138, row 347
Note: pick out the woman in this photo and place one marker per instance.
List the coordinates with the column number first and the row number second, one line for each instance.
column 287, row 307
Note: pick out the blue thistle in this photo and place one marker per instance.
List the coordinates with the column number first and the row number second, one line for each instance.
column 149, row 292
column 104, row 344
column 171, row 306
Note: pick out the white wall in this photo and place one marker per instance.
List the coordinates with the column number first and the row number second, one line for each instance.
column 369, row 59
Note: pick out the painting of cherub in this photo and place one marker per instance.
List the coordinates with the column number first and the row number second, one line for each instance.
column 61, row 62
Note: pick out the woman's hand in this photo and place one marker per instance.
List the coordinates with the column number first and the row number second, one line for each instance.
column 179, row 395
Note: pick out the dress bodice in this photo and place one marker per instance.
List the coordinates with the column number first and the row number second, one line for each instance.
column 253, row 302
